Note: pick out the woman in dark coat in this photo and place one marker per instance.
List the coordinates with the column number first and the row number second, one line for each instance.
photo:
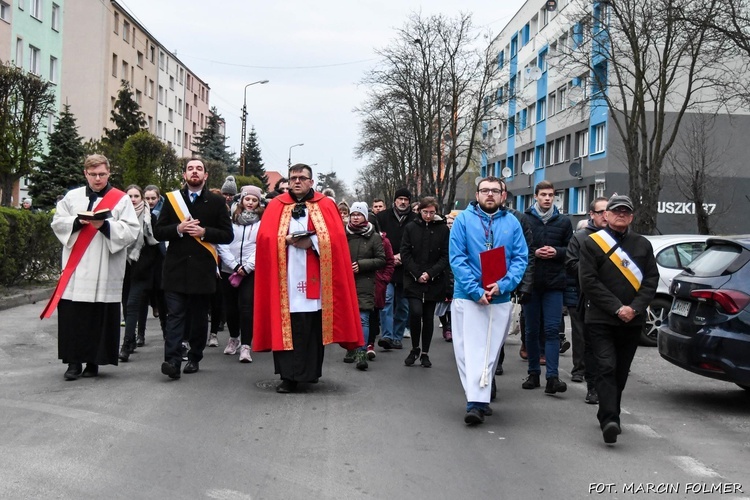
column 424, row 254
column 367, row 255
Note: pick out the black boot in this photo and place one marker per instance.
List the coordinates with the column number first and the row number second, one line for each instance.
column 74, row 371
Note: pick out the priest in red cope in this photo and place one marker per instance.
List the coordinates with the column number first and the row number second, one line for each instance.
column 305, row 296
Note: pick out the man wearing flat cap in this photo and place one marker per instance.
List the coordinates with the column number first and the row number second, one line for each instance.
column 618, row 270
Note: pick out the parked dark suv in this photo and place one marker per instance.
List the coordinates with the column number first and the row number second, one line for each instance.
column 709, row 321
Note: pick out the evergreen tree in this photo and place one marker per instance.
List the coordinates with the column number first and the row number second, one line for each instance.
column 61, row 169
column 211, row 143
column 128, row 119
column 253, row 161
column 141, row 157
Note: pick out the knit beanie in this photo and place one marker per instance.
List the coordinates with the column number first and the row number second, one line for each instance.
column 359, row 206
column 402, row 192
column 253, row 190
column 229, row 186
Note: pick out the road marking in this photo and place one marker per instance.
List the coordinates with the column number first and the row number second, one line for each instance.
column 227, row 495
column 694, row 467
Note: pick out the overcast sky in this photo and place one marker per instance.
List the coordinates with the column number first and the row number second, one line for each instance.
column 315, row 55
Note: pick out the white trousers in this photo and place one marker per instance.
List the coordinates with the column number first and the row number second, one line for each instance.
column 471, row 322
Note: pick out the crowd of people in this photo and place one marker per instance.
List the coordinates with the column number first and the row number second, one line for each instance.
column 292, row 271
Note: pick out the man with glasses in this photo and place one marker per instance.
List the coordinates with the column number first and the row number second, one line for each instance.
column 93, row 255
column 308, row 298
column 584, row 363
column 395, row 314
column 618, row 272
column 481, row 315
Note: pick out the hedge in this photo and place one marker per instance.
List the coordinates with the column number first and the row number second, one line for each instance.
column 29, row 250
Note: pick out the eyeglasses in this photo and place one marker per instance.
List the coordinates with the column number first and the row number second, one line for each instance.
column 300, row 178
column 598, row 212
column 428, row 212
column 486, row 191
column 98, row 176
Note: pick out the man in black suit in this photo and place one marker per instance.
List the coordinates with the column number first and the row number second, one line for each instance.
column 193, row 221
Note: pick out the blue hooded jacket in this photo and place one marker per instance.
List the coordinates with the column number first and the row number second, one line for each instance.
column 469, row 235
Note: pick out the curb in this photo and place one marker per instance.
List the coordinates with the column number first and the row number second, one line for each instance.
column 22, row 299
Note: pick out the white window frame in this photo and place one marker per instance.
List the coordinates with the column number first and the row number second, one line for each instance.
column 36, row 9
column 19, row 52
column 5, row 11
column 53, row 70
column 35, row 63
column 56, row 17
column 582, row 206
column 600, row 138
column 561, row 96
column 582, row 143
column 552, row 103
column 559, row 199
column 541, row 106
column 599, row 189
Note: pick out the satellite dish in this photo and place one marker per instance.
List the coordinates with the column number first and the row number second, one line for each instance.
column 478, row 179
column 534, row 73
column 527, row 168
column 507, row 172
column 575, row 169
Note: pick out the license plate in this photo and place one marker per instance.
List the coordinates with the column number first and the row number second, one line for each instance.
column 681, row 307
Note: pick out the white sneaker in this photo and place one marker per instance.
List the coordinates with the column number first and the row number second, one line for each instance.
column 407, row 334
column 232, row 346
column 213, row 340
column 245, row 354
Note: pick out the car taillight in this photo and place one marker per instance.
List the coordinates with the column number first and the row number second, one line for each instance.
column 732, row 301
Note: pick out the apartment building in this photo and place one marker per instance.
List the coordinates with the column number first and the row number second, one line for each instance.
column 105, row 45
column 31, row 37
column 546, row 122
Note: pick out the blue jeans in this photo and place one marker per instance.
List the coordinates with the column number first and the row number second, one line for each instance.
column 364, row 318
column 393, row 323
column 544, row 311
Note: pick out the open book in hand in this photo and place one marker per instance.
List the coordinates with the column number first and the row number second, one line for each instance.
column 96, row 215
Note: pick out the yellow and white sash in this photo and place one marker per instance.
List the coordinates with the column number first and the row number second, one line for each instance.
column 619, row 257
column 183, row 212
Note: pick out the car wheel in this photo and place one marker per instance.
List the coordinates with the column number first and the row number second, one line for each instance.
column 656, row 315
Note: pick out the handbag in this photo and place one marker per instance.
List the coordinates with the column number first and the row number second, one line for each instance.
column 235, row 279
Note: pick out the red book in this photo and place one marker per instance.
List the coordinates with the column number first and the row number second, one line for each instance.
column 493, row 265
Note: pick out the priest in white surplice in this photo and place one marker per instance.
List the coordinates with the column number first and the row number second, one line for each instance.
column 480, row 315
column 91, row 289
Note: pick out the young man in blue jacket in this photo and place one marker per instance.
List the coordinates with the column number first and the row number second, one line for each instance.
column 481, row 315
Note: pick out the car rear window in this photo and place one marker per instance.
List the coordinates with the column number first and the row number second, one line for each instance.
column 715, row 260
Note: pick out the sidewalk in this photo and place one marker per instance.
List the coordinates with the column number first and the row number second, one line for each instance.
column 22, row 295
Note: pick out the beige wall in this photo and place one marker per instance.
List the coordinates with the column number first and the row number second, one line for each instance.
column 5, row 32
column 197, row 107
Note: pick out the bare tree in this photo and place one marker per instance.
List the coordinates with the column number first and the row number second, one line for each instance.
column 648, row 62
column 425, row 106
column 696, row 166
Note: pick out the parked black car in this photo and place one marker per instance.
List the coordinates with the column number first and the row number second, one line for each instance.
column 709, row 321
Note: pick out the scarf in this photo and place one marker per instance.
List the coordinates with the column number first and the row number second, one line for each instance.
column 247, row 217
column 362, row 228
column 139, row 208
column 545, row 216
column 401, row 214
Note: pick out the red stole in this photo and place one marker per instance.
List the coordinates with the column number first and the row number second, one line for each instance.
column 85, row 237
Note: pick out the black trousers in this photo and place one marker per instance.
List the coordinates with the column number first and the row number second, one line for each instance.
column 238, row 303
column 614, row 348
column 304, row 363
column 584, row 361
column 188, row 317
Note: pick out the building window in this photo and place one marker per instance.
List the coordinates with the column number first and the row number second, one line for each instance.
column 55, row 17
column 541, row 109
column 138, row 97
column 150, row 88
column 158, row 129
column 161, row 60
column 124, row 74
column 550, row 159
column 171, row 83
column 114, row 65
column 582, row 144
column 539, row 156
column 561, row 96
column 5, row 12
column 560, row 200
column 552, row 99
column 532, row 114
column 581, row 205
column 161, row 94
column 171, row 115
column 117, row 23
column 19, row 52
column 36, row 9
column 126, row 31
column 599, row 189
column 600, row 139
column 53, row 69
column 560, row 150
column 139, row 59
column 152, row 54
column 542, row 61
column 35, row 64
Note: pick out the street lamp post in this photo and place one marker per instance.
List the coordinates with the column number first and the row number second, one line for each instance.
column 289, row 163
column 243, row 147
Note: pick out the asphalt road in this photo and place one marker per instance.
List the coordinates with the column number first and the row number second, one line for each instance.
column 389, row 433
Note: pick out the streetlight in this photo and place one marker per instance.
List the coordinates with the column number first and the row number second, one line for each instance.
column 289, row 164
column 243, row 147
